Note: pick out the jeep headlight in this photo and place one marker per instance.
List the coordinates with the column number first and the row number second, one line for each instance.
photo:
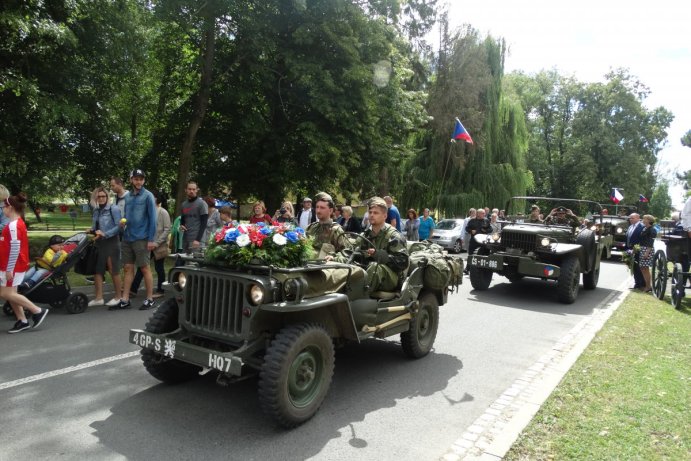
column 495, row 237
column 180, row 281
column 620, row 230
column 545, row 242
column 256, row 295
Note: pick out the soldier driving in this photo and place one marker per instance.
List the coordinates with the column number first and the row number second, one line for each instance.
column 328, row 236
column 561, row 215
column 387, row 261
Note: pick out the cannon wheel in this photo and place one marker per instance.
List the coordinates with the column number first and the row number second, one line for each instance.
column 677, row 288
column 659, row 274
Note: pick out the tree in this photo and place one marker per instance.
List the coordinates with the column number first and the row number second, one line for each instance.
column 660, row 201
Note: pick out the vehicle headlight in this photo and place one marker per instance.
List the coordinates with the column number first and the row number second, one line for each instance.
column 545, row 242
column 593, row 228
column 620, row 230
column 495, row 237
column 256, row 295
column 180, row 281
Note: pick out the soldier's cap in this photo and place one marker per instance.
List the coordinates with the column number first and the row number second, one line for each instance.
column 561, row 209
column 324, row 197
column 534, row 207
column 137, row 172
column 377, row 201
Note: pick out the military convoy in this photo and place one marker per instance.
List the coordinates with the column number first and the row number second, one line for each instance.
column 282, row 325
column 557, row 252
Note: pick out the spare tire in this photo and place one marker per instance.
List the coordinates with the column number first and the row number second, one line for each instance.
column 586, row 239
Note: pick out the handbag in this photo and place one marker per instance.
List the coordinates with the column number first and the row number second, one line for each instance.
column 161, row 251
column 87, row 263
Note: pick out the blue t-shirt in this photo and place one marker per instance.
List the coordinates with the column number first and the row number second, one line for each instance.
column 392, row 213
column 426, row 226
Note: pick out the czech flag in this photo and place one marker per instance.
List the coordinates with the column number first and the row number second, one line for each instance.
column 461, row 133
column 616, row 195
column 642, row 198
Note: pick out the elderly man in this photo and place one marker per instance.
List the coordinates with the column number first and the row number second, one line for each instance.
column 386, row 258
column 306, row 215
column 328, row 235
column 633, row 237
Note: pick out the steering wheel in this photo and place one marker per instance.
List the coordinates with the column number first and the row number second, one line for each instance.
column 354, row 249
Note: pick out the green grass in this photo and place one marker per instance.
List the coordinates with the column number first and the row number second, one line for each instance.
column 627, row 397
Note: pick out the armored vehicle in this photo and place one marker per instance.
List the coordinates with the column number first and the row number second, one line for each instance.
column 550, row 250
column 282, row 325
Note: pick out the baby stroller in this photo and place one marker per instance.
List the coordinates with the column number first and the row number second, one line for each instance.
column 54, row 287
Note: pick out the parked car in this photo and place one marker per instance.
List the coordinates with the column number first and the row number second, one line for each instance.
column 448, row 234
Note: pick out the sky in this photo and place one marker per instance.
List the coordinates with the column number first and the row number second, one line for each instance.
column 588, row 38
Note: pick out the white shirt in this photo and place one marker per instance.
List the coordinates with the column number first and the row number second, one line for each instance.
column 305, row 218
column 686, row 215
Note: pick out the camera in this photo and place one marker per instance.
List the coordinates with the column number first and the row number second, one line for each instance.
column 282, row 211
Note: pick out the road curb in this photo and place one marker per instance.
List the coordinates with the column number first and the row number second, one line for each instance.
column 491, row 436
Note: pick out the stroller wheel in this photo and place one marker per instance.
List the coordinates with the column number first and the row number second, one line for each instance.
column 76, row 303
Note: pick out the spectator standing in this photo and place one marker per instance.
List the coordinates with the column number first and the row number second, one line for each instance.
column 351, row 223
column 259, row 213
column 139, row 238
column 194, row 214
column 412, row 226
column 365, row 220
column 393, row 216
column 306, row 215
column 4, row 193
column 159, row 253
column 105, row 226
column 226, row 214
column 633, row 237
column 338, row 215
column 493, row 223
column 285, row 214
column 213, row 223
column 118, row 188
column 426, row 229
column 14, row 261
column 648, row 235
column 472, row 213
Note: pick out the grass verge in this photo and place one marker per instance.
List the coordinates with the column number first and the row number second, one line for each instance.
column 627, row 396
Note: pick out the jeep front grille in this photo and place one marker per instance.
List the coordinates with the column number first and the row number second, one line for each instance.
column 526, row 242
column 214, row 304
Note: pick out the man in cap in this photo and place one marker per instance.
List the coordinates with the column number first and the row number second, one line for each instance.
column 563, row 216
column 387, row 260
column 534, row 215
column 138, row 240
column 306, row 215
column 328, row 235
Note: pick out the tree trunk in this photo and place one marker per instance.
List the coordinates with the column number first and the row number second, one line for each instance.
column 201, row 103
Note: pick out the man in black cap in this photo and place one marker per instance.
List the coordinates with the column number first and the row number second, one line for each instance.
column 563, row 216
column 138, row 240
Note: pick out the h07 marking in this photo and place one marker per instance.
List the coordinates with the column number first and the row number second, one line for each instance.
column 219, row 362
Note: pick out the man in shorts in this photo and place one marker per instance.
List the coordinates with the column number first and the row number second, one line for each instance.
column 138, row 240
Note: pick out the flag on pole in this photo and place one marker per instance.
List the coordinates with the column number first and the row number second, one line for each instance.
column 616, row 196
column 461, row 133
column 642, row 198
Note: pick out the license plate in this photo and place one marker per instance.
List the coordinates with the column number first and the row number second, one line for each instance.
column 484, row 263
column 166, row 347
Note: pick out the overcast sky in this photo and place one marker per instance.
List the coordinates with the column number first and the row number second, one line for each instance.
column 588, row 38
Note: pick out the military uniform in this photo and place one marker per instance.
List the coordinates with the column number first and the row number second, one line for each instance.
column 328, row 238
column 387, row 266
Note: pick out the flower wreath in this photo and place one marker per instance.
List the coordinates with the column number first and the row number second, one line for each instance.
column 280, row 245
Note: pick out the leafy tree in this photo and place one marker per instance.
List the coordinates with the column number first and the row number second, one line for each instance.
column 660, row 201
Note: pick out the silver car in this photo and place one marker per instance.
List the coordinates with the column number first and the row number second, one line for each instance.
column 448, row 233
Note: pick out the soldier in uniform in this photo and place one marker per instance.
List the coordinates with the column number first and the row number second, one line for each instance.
column 534, row 215
column 387, row 261
column 561, row 215
column 328, row 236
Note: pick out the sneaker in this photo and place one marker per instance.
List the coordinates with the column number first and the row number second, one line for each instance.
column 113, row 302
column 96, row 302
column 125, row 304
column 147, row 304
column 19, row 326
column 38, row 318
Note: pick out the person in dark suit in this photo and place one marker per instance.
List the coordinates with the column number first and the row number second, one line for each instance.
column 633, row 237
column 306, row 215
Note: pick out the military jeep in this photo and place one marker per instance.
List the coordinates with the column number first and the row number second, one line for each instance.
column 548, row 251
column 282, row 325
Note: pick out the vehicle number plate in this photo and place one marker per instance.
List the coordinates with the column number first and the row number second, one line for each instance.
column 163, row 346
column 484, row 263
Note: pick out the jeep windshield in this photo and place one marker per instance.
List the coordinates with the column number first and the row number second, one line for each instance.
column 519, row 209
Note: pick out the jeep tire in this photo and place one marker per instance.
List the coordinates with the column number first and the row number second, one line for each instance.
column 480, row 278
column 170, row 371
column 591, row 278
column 569, row 278
column 419, row 339
column 296, row 374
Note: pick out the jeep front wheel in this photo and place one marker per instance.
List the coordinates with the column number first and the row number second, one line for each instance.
column 567, row 286
column 171, row 371
column 419, row 339
column 296, row 374
column 480, row 278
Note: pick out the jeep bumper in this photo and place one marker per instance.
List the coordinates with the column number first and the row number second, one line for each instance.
column 170, row 348
column 520, row 265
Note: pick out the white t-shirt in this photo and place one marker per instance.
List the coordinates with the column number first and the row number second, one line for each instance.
column 686, row 215
column 305, row 217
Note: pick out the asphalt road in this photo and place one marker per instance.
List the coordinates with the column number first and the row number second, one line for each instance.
column 76, row 389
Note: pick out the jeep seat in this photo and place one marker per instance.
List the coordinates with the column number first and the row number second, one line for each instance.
column 383, row 295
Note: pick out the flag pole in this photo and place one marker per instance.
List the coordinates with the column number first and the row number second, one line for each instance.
column 443, row 178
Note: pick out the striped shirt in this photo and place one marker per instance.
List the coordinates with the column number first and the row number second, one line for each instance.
column 14, row 247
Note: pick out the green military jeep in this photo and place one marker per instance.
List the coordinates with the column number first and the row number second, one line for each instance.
column 282, row 324
column 558, row 251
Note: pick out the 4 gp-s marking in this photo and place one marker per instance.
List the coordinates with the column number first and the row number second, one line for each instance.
column 165, row 346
